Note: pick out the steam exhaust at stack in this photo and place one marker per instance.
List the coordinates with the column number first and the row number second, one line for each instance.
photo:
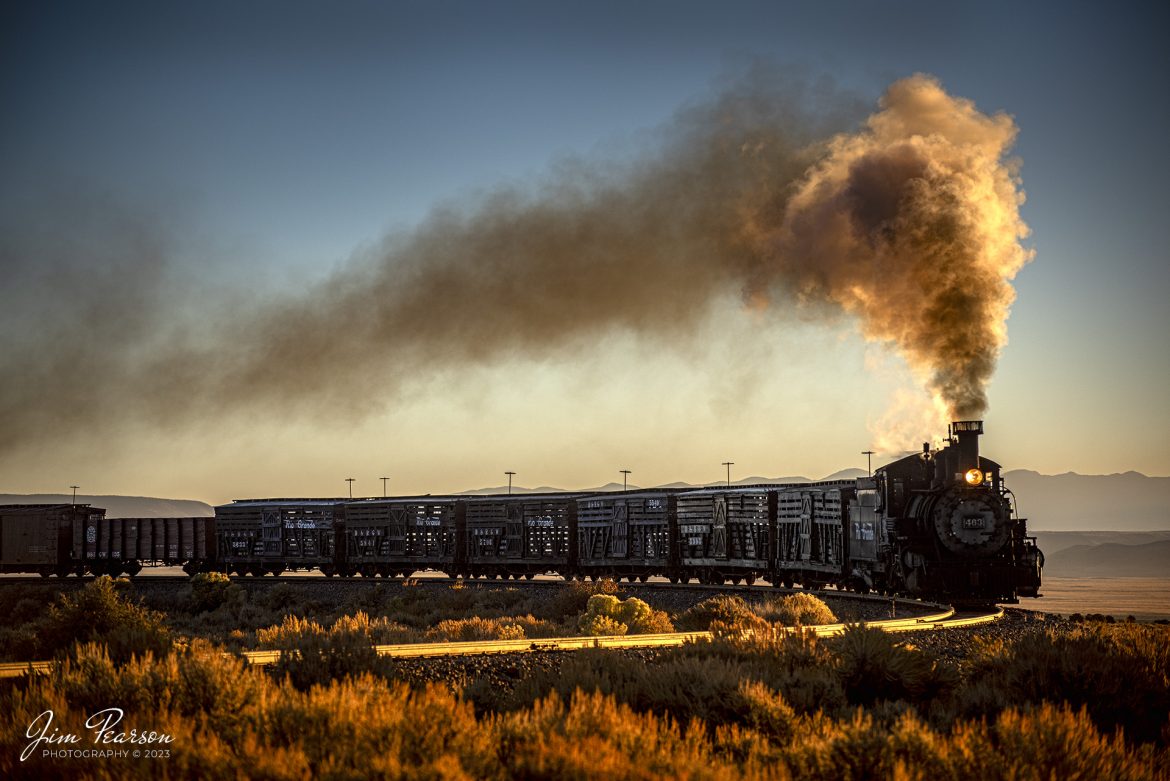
column 908, row 224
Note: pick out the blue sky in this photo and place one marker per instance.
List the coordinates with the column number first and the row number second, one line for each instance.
column 268, row 142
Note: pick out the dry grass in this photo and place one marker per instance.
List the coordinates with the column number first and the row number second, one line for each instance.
column 1119, row 672
column 101, row 610
column 1084, row 703
column 799, row 609
column 232, row 722
column 722, row 615
column 476, row 628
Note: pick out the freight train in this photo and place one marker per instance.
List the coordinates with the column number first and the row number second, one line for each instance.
column 939, row 525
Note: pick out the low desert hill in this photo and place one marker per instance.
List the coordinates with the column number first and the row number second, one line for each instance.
column 121, row 506
column 1056, row 541
column 1111, row 560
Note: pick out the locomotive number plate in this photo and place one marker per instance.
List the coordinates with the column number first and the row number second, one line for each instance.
column 974, row 522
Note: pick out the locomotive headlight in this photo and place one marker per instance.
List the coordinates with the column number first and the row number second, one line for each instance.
column 973, row 477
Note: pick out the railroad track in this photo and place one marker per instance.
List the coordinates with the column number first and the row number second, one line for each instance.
column 944, row 619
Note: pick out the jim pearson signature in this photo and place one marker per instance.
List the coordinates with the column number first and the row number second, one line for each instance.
column 101, row 724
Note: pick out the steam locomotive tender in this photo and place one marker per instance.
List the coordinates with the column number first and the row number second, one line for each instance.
column 939, row 525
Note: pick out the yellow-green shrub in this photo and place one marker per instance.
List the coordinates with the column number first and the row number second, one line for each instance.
column 574, row 596
column 605, row 614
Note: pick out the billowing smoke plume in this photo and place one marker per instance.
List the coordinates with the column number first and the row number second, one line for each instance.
column 910, row 224
column 913, row 225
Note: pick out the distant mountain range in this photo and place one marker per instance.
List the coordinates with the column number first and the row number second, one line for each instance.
column 844, row 474
column 1071, row 502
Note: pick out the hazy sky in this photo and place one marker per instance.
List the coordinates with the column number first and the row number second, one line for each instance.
column 172, row 177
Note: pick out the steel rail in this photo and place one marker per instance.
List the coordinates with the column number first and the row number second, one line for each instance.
column 18, row 669
column 942, row 620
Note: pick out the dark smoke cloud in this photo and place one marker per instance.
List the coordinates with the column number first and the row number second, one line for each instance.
column 913, row 225
column 910, row 224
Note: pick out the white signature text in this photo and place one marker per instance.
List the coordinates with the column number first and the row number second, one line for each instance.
column 102, row 726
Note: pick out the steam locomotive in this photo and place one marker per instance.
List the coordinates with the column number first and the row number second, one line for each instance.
column 939, row 525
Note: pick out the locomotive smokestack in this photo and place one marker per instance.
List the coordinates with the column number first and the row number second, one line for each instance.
column 966, row 434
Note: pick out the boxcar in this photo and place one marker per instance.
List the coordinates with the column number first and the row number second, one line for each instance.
column 398, row 536
column 626, row 535
column 726, row 533
column 258, row 536
column 40, row 537
column 522, row 535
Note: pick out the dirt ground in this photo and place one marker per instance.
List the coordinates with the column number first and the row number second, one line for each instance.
column 1146, row 599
